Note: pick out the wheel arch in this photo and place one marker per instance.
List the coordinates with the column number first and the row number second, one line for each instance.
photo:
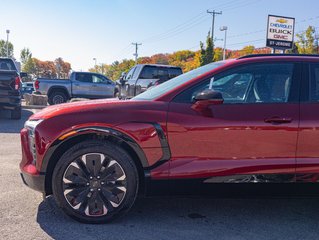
column 59, row 88
column 57, row 149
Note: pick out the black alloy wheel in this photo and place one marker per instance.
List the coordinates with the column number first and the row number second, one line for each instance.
column 97, row 184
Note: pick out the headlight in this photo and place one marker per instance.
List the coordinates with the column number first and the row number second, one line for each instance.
column 31, row 126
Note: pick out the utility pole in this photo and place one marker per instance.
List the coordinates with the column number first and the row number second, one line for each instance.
column 224, row 28
column 136, row 48
column 213, row 13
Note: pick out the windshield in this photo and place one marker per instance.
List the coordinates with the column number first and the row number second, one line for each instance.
column 159, row 90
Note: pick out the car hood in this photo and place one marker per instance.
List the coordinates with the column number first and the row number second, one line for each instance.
column 78, row 107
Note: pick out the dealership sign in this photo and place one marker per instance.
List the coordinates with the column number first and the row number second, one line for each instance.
column 280, row 32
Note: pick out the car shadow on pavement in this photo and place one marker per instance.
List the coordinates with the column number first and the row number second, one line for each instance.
column 8, row 125
column 190, row 218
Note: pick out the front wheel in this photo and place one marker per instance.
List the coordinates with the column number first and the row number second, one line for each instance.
column 95, row 182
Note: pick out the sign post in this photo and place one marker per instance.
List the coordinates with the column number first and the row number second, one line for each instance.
column 280, row 32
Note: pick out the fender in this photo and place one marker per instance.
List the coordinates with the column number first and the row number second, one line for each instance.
column 61, row 88
column 120, row 136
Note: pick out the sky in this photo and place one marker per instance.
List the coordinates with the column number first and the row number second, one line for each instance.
column 80, row 30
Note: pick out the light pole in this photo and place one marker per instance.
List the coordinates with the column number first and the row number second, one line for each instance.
column 94, row 59
column 8, row 31
column 224, row 28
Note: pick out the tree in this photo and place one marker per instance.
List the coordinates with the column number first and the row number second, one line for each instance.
column 306, row 41
column 202, row 58
column 294, row 49
column 218, row 54
column 62, row 68
column 3, row 49
column 209, row 49
column 207, row 55
column 29, row 67
column 248, row 50
column 25, row 55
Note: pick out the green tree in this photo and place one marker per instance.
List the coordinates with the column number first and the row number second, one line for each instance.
column 25, row 55
column 202, row 58
column 209, row 49
column 218, row 54
column 306, row 41
column 207, row 55
column 248, row 50
column 3, row 49
column 294, row 49
column 29, row 67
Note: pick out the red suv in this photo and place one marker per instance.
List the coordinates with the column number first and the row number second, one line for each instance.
column 253, row 119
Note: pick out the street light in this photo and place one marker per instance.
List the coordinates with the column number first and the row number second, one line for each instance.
column 8, row 31
column 94, row 59
column 224, row 28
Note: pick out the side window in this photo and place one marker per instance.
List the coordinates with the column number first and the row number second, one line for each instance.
column 162, row 74
column 256, row 83
column 174, row 72
column 271, row 83
column 129, row 75
column 149, row 72
column 314, row 82
column 83, row 77
column 136, row 72
column 6, row 64
column 98, row 79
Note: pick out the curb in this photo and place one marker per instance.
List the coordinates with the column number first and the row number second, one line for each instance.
column 33, row 107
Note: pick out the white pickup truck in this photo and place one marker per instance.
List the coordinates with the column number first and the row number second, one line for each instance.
column 79, row 85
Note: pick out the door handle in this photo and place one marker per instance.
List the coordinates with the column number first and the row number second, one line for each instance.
column 76, row 84
column 94, row 85
column 278, row 120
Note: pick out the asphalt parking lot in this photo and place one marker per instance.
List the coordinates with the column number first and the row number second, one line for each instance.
column 24, row 215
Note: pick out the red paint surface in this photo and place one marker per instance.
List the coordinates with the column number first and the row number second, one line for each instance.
column 223, row 140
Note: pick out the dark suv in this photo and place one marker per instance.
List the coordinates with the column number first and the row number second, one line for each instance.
column 249, row 120
column 143, row 76
column 10, row 86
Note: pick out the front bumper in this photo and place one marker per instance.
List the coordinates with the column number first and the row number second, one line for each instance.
column 36, row 182
column 31, row 176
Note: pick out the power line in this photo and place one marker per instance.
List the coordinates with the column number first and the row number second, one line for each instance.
column 214, row 13
column 185, row 25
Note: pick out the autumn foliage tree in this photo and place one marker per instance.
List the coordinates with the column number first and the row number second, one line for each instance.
column 47, row 69
column 306, row 41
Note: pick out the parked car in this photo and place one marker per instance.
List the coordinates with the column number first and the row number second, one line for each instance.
column 79, row 85
column 27, row 87
column 143, row 76
column 118, row 85
column 254, row 119
column 10, row 84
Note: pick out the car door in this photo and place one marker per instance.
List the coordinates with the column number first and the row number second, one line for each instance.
column 252, row 136
column 82, row 86
column 102, row 87
column 129, row 90
column 308, row 139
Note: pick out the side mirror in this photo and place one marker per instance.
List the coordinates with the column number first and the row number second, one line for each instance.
column 209, row 97
column 122, row 77
column 23, row 74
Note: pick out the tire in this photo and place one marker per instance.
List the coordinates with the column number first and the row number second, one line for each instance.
column 89, row 195
column 116, row 93
column 57, row 97
column 16, row 114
